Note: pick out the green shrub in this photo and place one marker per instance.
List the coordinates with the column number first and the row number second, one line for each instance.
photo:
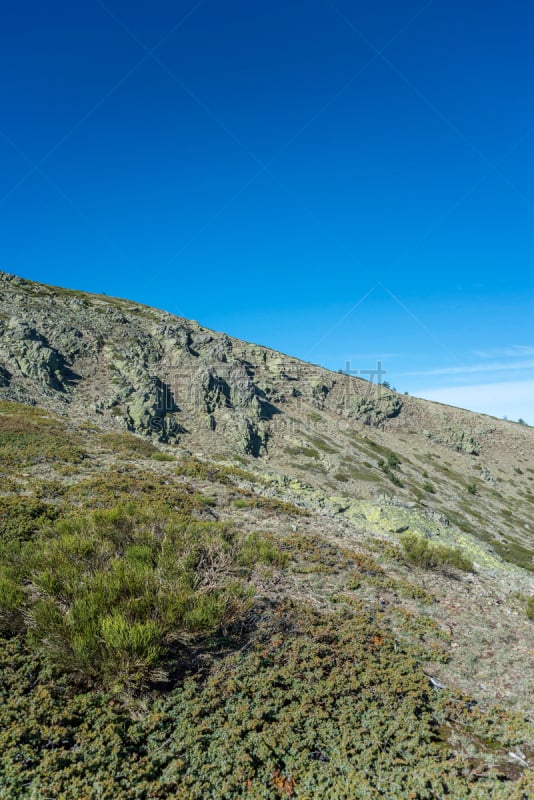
column 240, row 502
column 261, row 550
column 320, row 444
column 21, row 516
column 272, row 505
column 429, row 488
column 159, row 456
column 11, row 601
column 421, row 552
column 207, row 471
column 127, row 444
column 530, row 608
column 29, row 436
column 393, row 460
column 315, row 706
column 106, row 593
column 307, row 452
column 341, row 476
column 387, row 470
column 472, row 488
column 122, row 486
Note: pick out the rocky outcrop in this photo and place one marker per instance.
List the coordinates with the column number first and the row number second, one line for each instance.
column 28, row 351
column 134, row 367
column 455, row 437
column 5, row 376
column 376, row 408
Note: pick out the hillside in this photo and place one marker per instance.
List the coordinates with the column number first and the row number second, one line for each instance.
column 355, row 622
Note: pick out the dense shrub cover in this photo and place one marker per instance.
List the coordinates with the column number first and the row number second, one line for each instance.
column 35, row 437
column 113, row 594
column 22, row 517
column 316, row 706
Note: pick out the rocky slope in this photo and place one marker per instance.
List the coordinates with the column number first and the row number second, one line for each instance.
column 104, row 400
column 333, row 444
column 328, row 438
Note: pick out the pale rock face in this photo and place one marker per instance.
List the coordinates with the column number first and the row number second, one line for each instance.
column 139, row 368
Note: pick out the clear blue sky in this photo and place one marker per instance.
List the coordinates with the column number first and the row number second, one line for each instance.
column 344, row 181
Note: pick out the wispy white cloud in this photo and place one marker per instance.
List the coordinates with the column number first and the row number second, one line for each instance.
column 466, row 369
column 515, row 351
column 514, row 399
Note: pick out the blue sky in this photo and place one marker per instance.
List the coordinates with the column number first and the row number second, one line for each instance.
column 346, row 182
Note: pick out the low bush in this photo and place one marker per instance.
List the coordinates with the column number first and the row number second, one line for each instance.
column 31, row 436
column 207, row 471
column 269, row 504
column 240, row 502
column 261, row 550
column 22, row 516
column 119, row 596
column 159, row 456
column 316, row 706
column 121, row 486
column 126, row 444
column 388, row 470
column 393, row 460
column 421, row 552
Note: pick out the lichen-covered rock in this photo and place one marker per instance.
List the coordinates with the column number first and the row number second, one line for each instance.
column 29, row 351
column 455, row 437
column 4, row 376
column 374, row 409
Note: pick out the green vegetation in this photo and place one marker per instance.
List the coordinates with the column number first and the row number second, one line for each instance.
column 393, row 460
column 341, row 476
column 269, row 504
column 258, row 549
column 422, row 553
column 118, row 596
column 29, row 435
column 321, row 444
column 124, row 485
column 472, row 488
column 206, row 471
column 364, row 475
column 240, row 502
column 315, row 706
column 21, row 517
column 307, row 452
column 387, row 469
column 159, row 456
column 148, row 653
column 126, row 444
